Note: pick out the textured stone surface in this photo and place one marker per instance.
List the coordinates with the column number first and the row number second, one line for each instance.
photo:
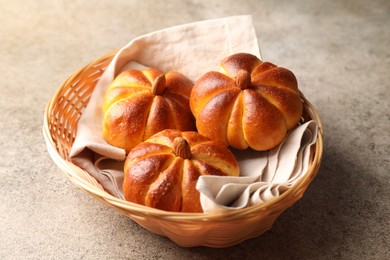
column 340, row 53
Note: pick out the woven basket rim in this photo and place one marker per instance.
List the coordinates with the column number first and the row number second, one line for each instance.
column 72, row 170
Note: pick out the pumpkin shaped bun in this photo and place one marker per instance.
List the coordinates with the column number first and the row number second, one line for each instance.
column 249, row 103
column 140, row 103
column 162, row 171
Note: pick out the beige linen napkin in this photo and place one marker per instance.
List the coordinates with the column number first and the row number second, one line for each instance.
column 263, row 175
column 191, row 49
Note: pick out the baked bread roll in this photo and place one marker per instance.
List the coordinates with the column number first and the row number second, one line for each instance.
column 162, row 172
column 139, row 104
column 249, row 103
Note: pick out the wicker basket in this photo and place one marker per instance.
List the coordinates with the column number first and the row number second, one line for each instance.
column 185, row 229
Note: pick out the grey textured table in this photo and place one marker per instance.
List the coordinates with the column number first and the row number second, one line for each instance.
column 340, row 52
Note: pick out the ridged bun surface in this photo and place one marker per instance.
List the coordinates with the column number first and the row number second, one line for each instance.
column 162, row 171
column 249, row 103
column 140, row 103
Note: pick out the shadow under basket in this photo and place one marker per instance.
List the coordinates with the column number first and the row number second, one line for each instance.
column 185, row 229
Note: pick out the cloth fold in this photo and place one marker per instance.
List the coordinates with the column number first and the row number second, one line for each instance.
column 191, row 49
column 269, row 175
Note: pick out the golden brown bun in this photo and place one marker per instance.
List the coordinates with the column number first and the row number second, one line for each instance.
column 162, row 172
column 249, row 104
column 139, row 104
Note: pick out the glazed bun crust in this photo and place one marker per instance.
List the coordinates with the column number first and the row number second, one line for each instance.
column 162, row 172
column 249, row 103
column 139, row 104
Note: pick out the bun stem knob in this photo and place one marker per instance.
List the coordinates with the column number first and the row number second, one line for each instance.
column 243, row 79
column 181, row 148
column 159, row 85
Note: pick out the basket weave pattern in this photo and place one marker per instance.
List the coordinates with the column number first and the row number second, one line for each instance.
column 185, row 229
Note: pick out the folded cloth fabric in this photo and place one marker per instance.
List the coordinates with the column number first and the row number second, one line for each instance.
column 263, row 175
column 191, row 49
